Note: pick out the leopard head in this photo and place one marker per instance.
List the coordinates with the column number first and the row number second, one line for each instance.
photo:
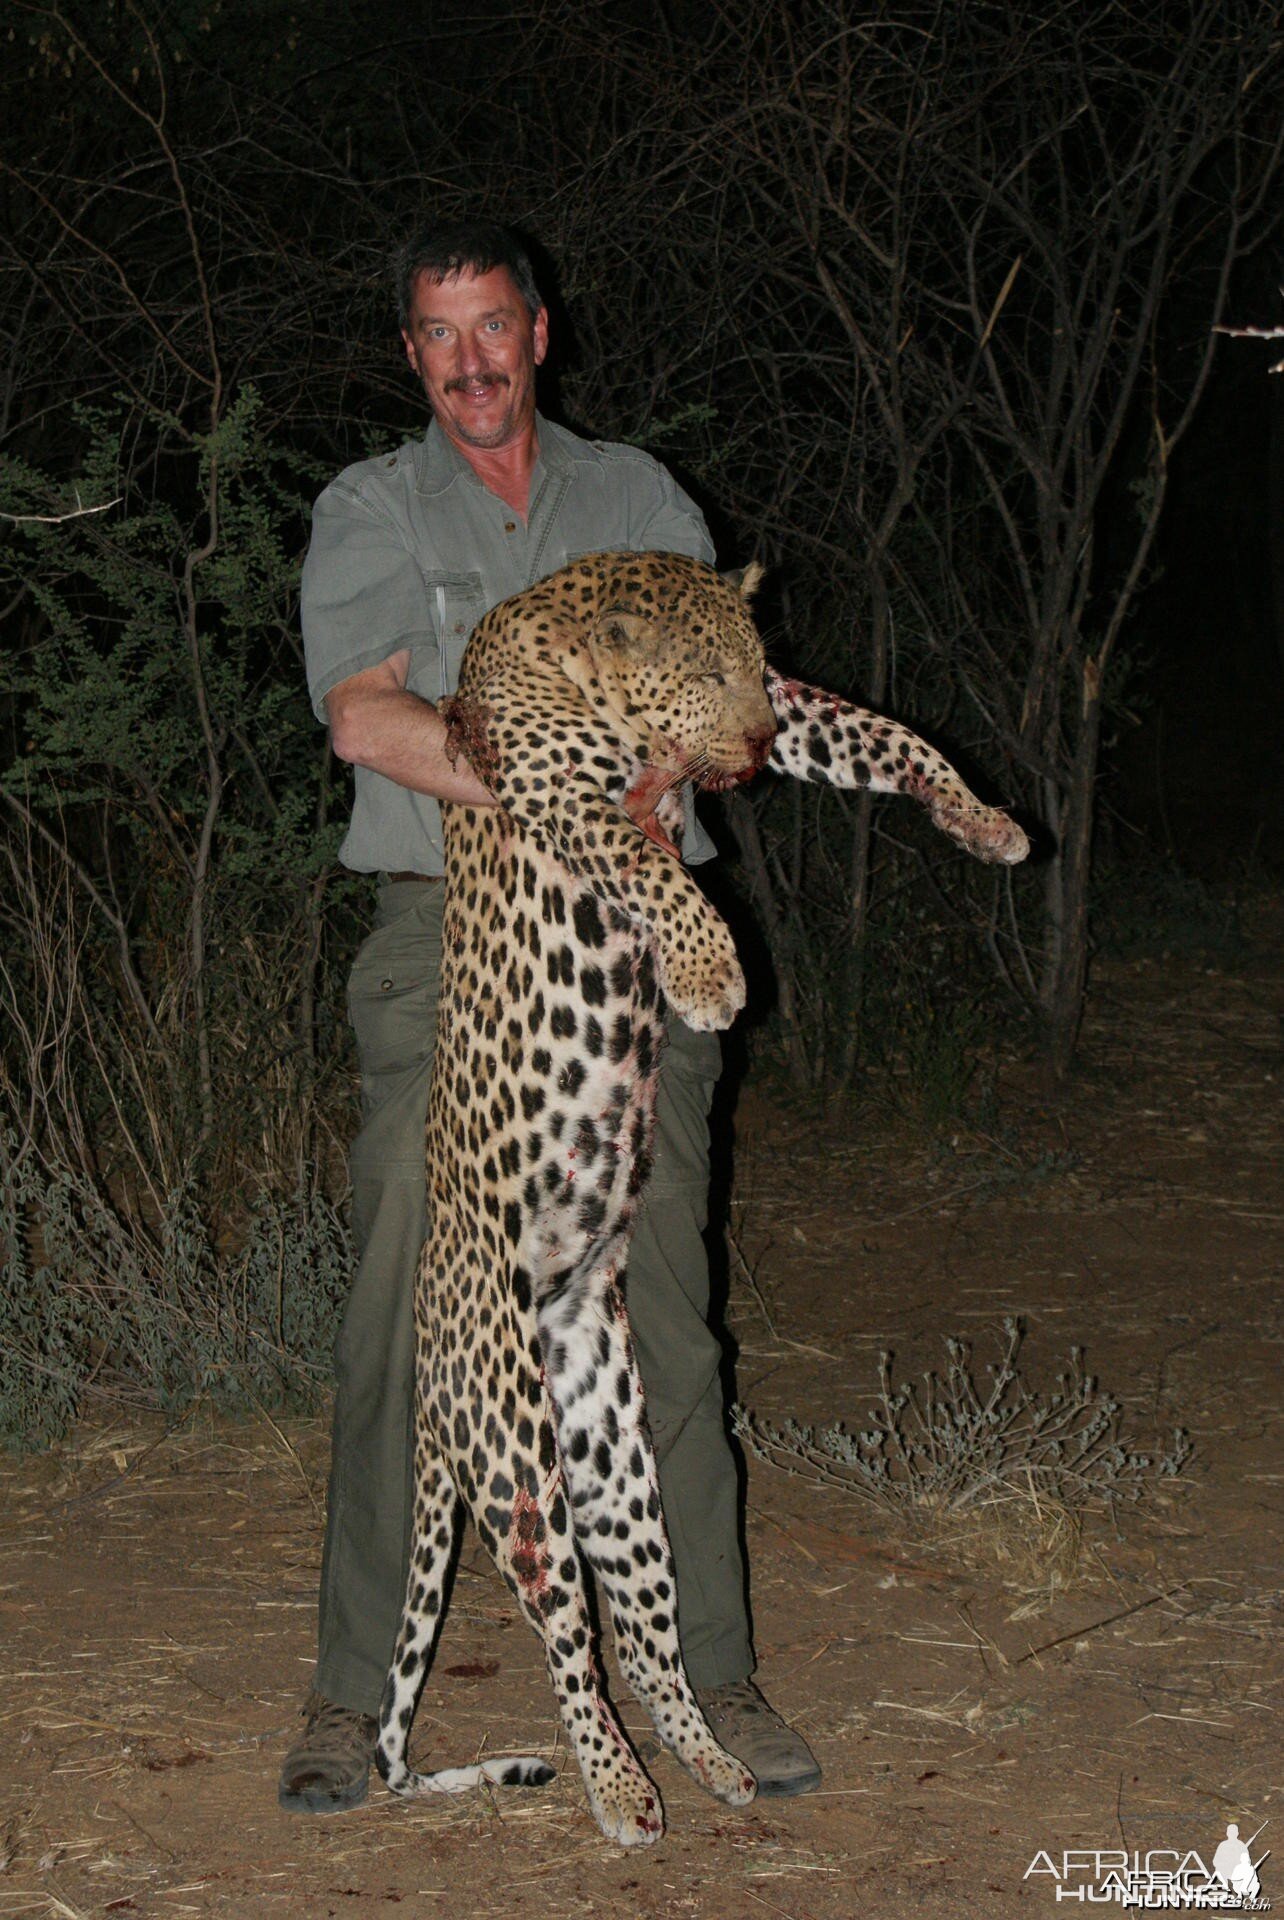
column 679, row 665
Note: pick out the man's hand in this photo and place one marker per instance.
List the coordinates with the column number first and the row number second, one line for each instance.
column 376, row 722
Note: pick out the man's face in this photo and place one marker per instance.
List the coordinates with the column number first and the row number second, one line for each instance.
column 475, row 348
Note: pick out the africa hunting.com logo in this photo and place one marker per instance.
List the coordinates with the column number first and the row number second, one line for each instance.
column 1161, row 1879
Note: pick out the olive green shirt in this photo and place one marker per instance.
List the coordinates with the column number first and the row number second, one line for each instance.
column 409, row 550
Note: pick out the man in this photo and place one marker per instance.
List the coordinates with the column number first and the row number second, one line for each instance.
column 408, row 552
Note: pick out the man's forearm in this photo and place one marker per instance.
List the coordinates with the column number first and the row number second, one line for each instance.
column 403, row 737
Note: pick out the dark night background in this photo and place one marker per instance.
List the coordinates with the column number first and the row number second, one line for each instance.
column 1202, row 774
column 918, row 300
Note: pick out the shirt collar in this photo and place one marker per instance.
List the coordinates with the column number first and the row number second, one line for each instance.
column 439, row 463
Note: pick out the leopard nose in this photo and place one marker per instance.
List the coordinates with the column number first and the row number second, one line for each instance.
column 759, row 742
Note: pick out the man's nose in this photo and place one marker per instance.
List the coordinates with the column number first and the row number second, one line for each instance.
column 472, row 354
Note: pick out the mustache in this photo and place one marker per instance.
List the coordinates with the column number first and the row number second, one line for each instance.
column 462, row 381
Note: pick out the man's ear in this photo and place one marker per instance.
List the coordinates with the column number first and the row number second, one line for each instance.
column 747, row 579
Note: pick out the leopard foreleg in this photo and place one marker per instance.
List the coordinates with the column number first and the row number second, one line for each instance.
column 599, row 845
column 830, row 741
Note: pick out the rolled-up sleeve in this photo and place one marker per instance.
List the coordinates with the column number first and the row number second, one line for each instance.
column 362, row 596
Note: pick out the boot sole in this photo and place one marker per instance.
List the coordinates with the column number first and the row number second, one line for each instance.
column 322, row 1799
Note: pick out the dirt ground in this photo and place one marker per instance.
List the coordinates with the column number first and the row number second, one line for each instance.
column 157, row 1590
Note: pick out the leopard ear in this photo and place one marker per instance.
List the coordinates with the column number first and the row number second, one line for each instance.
column 746, row 579
column 624, row 629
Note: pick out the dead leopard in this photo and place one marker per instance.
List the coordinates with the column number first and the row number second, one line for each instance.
column 570, row 925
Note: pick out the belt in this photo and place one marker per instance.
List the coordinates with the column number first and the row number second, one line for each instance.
column 425, row 879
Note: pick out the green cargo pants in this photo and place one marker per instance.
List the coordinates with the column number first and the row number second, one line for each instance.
column 392, row 1000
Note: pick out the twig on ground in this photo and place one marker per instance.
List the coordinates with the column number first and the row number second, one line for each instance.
column 1079, row 1633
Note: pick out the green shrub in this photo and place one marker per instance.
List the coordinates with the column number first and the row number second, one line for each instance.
column 92, row 1299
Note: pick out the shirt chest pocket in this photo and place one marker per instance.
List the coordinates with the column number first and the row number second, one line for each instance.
column 456, row 602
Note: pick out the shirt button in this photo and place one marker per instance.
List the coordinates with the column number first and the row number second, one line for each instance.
column 510, row 526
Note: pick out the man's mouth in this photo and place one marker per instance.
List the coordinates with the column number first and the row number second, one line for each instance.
column 478, row 389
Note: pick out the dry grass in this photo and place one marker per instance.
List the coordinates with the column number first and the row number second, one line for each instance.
column 1002, row 1477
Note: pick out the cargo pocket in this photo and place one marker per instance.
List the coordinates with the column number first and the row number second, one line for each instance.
column 689, row 1071
column 392, row 998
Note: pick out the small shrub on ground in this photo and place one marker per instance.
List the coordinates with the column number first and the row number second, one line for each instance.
column 1020, row 1469
column 91, row 1299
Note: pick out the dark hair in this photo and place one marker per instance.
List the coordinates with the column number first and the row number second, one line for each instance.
column 446, row 248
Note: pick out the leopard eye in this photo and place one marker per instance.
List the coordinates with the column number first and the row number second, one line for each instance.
column 715, row 678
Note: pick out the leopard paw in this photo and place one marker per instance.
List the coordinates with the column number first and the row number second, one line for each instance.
column 626, row 1806
column 986, row 832
column 701, row 977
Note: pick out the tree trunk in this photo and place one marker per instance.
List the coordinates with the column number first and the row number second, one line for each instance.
column 859, row 864
column 1069, row 874
column 744, row 826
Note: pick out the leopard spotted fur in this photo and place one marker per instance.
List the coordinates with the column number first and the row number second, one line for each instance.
column 570, row 928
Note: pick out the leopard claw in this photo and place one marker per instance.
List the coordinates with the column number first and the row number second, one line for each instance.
column 987, row 833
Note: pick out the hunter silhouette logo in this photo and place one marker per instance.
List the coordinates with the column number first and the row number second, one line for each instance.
column 1234, row 1866
column 1159, row 1877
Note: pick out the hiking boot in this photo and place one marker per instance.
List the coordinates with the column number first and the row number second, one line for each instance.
column 740, row 1719
column 327, row 1770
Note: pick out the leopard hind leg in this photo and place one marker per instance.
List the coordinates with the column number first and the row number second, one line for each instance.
column 435, row 1506
column 618, row 1520
column 532, row 1541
